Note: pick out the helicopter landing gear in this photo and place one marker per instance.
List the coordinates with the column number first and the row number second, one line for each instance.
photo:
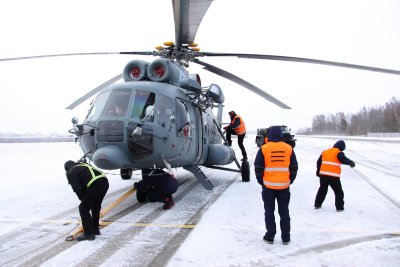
column 245, row 170
column 126, row 174
column 195, row 169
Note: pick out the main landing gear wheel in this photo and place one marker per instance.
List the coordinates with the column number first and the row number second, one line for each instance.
column 126, row 174
column 245, row 170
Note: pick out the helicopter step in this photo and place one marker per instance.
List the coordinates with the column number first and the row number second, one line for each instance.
column 195, row 169
column 107, row 209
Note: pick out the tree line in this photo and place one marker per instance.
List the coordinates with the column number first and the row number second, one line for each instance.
column 381, row 119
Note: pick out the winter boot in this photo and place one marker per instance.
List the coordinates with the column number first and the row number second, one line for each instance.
column 84, row 237
column 168, row 203
column 269, row 240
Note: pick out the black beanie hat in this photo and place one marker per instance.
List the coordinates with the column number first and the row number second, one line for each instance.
column 341, row 145
column 68, row 165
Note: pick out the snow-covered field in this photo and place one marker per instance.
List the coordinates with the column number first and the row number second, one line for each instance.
column 34, row 187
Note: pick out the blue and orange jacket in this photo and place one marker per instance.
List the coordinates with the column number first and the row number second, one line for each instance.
column 237, row 125
column 275, row 164
column 330, row 160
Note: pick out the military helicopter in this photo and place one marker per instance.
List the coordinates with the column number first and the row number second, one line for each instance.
column 161, row 116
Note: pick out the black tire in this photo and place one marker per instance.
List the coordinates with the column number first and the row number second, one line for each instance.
column 245, row 170
column 259, row 140
column 126, row 174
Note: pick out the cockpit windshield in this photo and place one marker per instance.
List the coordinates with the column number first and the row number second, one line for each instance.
column 97, row 106
column 117, row 104
column 143, row 106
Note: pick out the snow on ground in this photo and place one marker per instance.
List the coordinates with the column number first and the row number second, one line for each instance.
column 230, row 233
column 367, row 233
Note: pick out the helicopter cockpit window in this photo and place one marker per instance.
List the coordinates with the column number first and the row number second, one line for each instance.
column 143, row 106
column 97, row 107
column 117, row 104
column 182, row 119
column 164, row 111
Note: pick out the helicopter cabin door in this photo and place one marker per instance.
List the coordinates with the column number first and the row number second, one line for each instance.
column 187, row 130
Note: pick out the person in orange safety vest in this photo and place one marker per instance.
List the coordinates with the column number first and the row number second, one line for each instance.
column 276, row 167
column 328, row 171
column 236, row 127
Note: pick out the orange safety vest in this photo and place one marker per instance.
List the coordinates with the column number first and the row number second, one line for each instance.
column 276, row 162
column 241, row 129
column 330, row 164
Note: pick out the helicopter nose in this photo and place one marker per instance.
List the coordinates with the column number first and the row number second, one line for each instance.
column 111, row 157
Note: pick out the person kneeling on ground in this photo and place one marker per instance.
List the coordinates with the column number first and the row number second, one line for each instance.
column 156, row 186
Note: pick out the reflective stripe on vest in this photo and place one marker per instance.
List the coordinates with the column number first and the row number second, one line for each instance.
column 330, row 164
column 276, row 162
column 241, row 129
column 94, row 176
column 276, row 169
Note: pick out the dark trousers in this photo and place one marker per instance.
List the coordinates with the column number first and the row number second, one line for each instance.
column 283, row 198
column 229, row 134
column 336, row 186
column 91, row 203
column 160, row 194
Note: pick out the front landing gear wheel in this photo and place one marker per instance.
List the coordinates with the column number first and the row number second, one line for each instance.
column 245, row 170
column 126, row 174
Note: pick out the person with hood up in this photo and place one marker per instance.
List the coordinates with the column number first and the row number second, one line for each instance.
column 236, row 127
column 328, row 171
column 90, row 185
column 276, row 168
column 156, row 186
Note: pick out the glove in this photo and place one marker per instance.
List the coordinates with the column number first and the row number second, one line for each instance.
column 226, row 127
column 352, row 164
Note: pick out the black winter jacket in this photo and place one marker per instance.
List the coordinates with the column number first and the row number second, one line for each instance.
column 78, row 177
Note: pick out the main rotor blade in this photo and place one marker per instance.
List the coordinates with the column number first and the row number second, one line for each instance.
column 303, row 60
column 188, row 15
column 94, row 91
column 241, row 82
column 145, row 53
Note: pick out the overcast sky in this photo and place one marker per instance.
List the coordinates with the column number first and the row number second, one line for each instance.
column 36, row 92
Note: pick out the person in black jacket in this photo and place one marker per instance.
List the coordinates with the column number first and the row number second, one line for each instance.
column 156, row 186
column 90, row 185
column 328, row 171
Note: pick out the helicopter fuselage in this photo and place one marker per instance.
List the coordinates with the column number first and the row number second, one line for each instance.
column 150, row 124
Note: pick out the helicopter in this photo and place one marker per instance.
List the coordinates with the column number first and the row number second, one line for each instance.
column 161, row 116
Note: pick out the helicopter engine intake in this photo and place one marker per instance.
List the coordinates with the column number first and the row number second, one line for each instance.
column 159, row 70
column 135, row 70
